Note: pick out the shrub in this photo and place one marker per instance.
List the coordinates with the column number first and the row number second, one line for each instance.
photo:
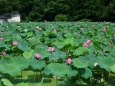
column 61, row 17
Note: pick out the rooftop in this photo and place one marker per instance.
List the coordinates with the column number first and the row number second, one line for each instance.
column 6, row 16
column 3, row 17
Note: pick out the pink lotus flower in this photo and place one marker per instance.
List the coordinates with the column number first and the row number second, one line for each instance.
column 54, row 30
column 38, row 28
column 85, row 45
column 14, row 43
column 88, row 41
column 81, row 28
column 1, row 39
column 51, row 49
column 4, row 54
column 37, row 56
column 104, row 29
column 69, row 61
column 2, row 32
column 110, row 42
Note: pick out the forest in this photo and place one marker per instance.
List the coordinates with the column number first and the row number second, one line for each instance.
column 61, row 10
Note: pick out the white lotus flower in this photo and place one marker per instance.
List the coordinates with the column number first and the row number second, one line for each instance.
column 96, row 64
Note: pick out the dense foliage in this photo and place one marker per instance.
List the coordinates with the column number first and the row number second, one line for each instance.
column 79, row 53
column 66, row 10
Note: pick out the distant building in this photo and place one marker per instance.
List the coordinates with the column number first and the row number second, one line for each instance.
column 10, row 17
column 3, row 19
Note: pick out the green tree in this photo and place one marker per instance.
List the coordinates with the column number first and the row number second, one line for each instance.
column 74, row 10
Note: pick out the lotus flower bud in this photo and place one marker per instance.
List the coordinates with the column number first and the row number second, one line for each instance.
column 88, row 41
column 14, row 43
column 37, row 56
column 1, row 39
column 51, row 49
column 85, row 45
column 4, row 54
column 69, row 61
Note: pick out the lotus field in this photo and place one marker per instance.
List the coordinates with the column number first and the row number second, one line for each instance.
column 57, row 54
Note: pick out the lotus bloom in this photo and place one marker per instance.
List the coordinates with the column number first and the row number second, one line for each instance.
column 51, row 49
column 81, row 28
column 85, row 45
column 14, row 43
column 37, row 56
column 4, row 54
column 54, row 30
column 110, row 42
column 88, row 41
column 1, row 39
column 2, row 32
column 25, row 30
column 96, row 64
column 104, row 29
column 38, row 28
column 69, row 61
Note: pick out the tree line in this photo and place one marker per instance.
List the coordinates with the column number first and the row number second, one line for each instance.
column 61, row 10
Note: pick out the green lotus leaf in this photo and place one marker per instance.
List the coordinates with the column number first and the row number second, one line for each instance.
column 79, row 63
column 59, row 44
column 6, row 82
column 37, row 84
column 33, row 40
column 17, row 37
column 39, row 34
column 22, row 84
column 113, row 52
column 1, row 84
column 87, row 74
column 41, row 47
column 58, row 55
column 6, row 60
column 69, row 41
column 80, row 51
column 45, row 54
column 76, row 42
column 2, row 43
column 28, row 54
column 36, row 64
column 7, row 37
column 89, row 59
column 11, row 69
column 71, row 72
column 68, row 34
column 29, row 34
column 105, row 62
column 23, row 46
column 22, row 62
column 56, row 69
column 112, row 68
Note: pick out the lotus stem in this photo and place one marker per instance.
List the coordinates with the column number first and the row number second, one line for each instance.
column 42, row 80
column 21, row 75
column 56, row 81
column 35, row 76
